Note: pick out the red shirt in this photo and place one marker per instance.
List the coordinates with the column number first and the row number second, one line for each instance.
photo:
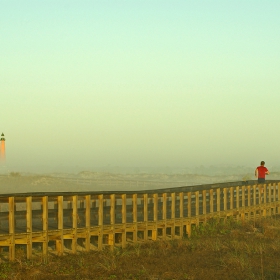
column 261, row 171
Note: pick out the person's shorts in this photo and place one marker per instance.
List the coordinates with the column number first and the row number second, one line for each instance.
column 261, row 180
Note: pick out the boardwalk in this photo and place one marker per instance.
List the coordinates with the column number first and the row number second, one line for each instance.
column 92, row 220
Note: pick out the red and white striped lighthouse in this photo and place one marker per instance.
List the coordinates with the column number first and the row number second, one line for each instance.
column 2, row 149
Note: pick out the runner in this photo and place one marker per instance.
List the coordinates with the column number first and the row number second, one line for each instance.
column 260, row 173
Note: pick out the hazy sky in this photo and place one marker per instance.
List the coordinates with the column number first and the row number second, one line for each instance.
column 140, row 82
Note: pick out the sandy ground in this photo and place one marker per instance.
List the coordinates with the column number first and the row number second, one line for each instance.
column 98, row 181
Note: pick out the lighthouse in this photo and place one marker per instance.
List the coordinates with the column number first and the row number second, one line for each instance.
column 2, row 150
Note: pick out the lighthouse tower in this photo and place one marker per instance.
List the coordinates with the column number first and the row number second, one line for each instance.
column 2, row 150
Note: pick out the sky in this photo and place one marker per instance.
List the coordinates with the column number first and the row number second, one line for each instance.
column 139, row 83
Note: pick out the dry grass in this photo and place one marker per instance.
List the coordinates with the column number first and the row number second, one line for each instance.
column 218, row 250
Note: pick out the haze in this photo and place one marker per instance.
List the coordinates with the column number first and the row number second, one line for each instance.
column 139, row 83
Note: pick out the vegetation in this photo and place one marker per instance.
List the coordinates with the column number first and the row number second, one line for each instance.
column 15, row 174
column 220, row 249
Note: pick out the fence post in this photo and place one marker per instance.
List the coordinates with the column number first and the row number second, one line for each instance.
column 173, row 201
column 249, row 200
column 204, row 202
column 135, row 227
column 243, row 196
column 225, row 199
column 249, row 195
column 237, row 197
column 12, row 228
column 231, row 198
column 197, row 203
column 254, row 200
column 254, row 195
column 278, row 197
column 124, row 220
column 269, row 199
column 74, row 222
column 45, row 227
column 211, row 201
column 218, row 198
column 243, row 204
column 189, row 225
column 29, row 226
column 237, row 200
column 274, row 198
column 264, row 199
column 164, row 215
column 100, row 221
column 111, row 239
column 88, row 198
column 145, row 198
column 274, row 191
column 269, row 193
column 189, row 204
column 181, row 214
column 59, row 241
column 154, row 232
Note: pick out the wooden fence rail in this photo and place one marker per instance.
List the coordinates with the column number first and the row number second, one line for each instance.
column 69, row 222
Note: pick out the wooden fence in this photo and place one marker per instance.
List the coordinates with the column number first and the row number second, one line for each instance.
column 70, row 222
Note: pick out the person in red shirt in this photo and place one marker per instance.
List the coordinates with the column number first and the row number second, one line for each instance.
column 260, row 172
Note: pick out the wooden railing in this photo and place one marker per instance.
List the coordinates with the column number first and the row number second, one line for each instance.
column 68, row 222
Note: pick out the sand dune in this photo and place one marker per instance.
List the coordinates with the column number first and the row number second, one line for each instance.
column 98, row 181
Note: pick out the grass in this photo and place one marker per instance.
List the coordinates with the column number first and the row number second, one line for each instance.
column 220, row 249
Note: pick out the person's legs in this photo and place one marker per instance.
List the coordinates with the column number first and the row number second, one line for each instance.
column 261, row 180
